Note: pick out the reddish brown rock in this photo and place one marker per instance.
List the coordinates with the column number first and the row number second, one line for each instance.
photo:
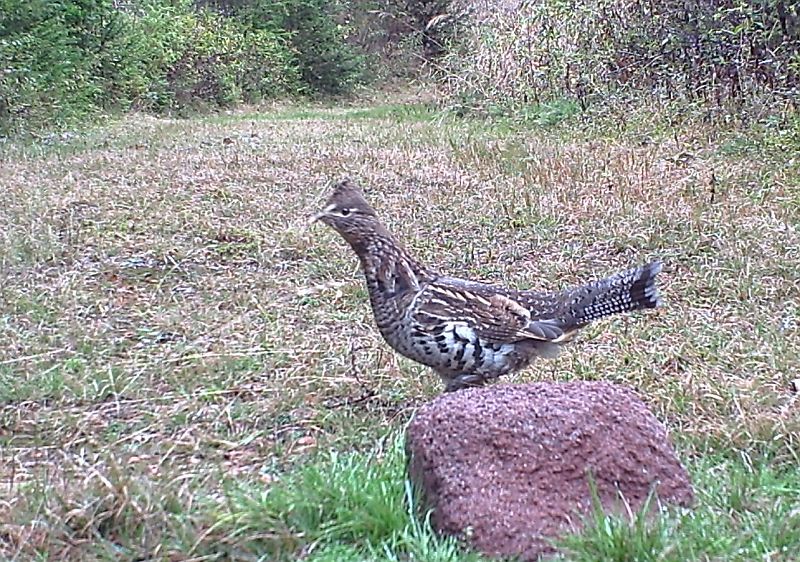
column 506, row 466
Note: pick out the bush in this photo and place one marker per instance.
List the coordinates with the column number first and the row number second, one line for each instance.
column 326, row 62
column 400, row 36
column 62, row 60
column 710, row 51
column 155, row 38
column 50, row 56
column 187, row 59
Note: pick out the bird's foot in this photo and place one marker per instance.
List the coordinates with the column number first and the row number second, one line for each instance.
column 463, row 381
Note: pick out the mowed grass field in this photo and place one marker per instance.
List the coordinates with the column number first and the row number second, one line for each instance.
column 189, row 372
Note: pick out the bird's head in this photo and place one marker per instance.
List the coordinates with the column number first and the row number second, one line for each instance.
column 347, row 212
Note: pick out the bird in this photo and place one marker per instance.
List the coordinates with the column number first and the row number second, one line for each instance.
column 470, row 332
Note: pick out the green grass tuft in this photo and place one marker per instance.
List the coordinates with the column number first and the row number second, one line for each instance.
column 343, row 506
column 746, row 509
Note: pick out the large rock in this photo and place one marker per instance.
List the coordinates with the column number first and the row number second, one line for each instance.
column 505, row 467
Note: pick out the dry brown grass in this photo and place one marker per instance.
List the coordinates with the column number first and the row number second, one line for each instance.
column 167, row 323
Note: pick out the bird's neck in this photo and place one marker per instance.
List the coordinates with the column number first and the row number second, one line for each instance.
column 388, row 267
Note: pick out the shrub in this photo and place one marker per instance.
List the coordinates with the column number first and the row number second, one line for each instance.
column 49, row 56
column 710, row 51
column 326, row 62
column 172, row 57
column 64, row 59
column 155, row 38
column 400, row 36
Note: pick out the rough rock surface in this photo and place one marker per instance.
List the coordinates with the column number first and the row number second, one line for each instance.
column 506, row 466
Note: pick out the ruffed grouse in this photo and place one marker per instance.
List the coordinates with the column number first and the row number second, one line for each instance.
column 470, row 332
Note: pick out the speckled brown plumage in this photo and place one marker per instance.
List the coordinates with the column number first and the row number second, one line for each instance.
column 470, row 332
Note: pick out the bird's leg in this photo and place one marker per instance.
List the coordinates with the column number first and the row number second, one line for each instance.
column 464, row 380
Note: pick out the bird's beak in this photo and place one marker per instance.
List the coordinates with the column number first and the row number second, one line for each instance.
column 314, row 218
column 306, row 225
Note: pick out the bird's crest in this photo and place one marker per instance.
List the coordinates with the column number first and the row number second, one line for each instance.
column 347, row 195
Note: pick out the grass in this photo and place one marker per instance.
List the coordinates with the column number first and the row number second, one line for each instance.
column 345, row 506
column 188, row 373
column 745, row 511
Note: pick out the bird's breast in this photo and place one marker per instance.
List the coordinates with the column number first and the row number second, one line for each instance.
column 454, row 347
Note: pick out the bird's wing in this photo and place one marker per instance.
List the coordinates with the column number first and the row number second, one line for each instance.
column 494, row 316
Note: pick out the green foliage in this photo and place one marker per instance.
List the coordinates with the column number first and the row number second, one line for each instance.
column 155, row 40
column 745, row 510
column 617, row 539
column 172, row 57
column 544, row 115
column 346, row 497
column 347, row 506
column 326, row 62
column 223, row 62
column 67, row 59
column 49, row 58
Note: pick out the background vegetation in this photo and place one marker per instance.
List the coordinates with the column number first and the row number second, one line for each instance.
column 63, row 60
column 733, row 54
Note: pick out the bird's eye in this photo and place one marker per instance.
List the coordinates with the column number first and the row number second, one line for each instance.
column 345, row 212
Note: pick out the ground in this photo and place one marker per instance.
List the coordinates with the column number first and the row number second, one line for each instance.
column 177, row 345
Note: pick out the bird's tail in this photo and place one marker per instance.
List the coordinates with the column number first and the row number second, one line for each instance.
column 630, row 290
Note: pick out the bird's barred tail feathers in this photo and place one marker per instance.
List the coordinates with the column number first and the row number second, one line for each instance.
column 634, row 289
